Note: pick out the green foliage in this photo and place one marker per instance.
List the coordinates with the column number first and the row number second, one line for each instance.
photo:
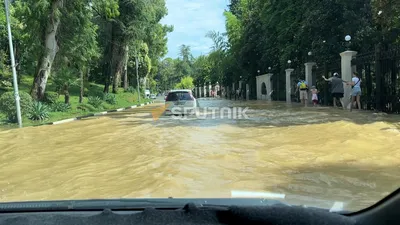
column 8, row 107
column 5, row 84
column 131, row 89
column 65, row 77
column 60, row 107
column 186, row 83
column 51, row 97
column 95, row 101
column 110, row 98
column 86, row 107
column 38, row 111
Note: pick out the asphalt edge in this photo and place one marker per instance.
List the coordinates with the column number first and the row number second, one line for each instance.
column 97, row 114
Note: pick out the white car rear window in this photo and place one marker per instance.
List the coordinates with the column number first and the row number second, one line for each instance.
column 181, row 96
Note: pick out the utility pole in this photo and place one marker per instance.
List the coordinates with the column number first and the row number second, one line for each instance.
column 137, row 74
column 15, row 81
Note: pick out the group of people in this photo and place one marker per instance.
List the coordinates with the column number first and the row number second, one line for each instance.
column 337, row 90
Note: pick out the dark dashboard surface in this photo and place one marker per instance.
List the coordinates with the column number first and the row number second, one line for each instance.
column 190, row 214
column 168, row 211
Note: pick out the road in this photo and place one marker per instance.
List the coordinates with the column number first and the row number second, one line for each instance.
column 313, row 156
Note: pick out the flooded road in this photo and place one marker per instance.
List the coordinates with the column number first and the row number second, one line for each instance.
column 314, row 156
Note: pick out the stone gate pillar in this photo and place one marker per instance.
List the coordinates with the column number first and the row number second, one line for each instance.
column 269, row 86
column 247, row 91
column 209, row 89
column 288, row 85
column 309, row 79
column 346, row 58
column 198, row 92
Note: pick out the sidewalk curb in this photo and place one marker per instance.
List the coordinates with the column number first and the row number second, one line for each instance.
column 97, row 114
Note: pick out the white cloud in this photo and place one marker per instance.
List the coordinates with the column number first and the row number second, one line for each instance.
column 192, row 19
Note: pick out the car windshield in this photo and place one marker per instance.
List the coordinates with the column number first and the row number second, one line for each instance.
column 295, row 101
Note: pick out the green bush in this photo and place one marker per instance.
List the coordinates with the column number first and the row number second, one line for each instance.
column 98, row 94
column 51, row 97
column 110, row 98
column 85, row 92
column 131, row 89
column 38, row 111
column 60, row 107
column 7, row 105
column 95, row 101
column 5, row 83
column 86, row 107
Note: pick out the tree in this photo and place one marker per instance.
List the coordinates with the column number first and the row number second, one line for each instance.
column 165, row 73
column 135, row 16
column 53, row 26
column 186, row 83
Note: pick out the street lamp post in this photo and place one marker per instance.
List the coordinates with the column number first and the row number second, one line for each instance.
column 137, row 75
column 15, row 80
column 348, row 41
column 289, row 63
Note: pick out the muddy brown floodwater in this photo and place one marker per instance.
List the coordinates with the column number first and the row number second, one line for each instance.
column 315, row 156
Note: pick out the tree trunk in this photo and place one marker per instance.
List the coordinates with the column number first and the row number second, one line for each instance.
column 82, row 86
column 51, row 48
column 107, row 59
column 119, row 44
column 117, row 64
column 66, row 94
column 126, row 68
column 107, row 70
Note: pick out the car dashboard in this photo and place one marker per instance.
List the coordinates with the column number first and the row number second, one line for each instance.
column 386, row 212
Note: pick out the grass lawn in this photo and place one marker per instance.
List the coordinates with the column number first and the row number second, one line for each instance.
column 124, row 99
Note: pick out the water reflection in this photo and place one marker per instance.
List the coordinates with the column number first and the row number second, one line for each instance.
column 315, row 156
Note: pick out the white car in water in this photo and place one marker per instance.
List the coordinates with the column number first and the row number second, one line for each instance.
column 180, row 102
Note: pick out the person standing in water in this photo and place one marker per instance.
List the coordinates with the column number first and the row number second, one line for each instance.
column 303, row 87
column 314, row 98
column 337, row 89
column 356, row 90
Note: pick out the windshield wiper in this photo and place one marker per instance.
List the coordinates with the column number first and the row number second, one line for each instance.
column 129, row 204
column 96, row 204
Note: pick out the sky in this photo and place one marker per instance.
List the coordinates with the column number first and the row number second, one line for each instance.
column 192, row 19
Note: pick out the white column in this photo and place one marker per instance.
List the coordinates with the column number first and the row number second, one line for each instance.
column 209, row 89
column 269, row 86
column 288, row 85
column 233, row 90
column 347, row 56
column 247, row 91
column 258, row 87
column 204, row 91
column 309, row 67
column 198, row 92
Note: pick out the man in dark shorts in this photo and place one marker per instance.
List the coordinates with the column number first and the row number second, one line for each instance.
column 337, row 89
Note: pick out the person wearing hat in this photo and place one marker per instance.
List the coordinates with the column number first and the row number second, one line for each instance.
column 337, row 89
